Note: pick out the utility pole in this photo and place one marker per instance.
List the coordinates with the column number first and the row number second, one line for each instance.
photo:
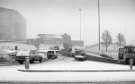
column 99, row 25
column 80, row 10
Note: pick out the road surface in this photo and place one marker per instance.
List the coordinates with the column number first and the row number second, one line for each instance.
column 11, row 73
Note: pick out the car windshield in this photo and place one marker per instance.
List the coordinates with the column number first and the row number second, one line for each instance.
column 130, row 50
column 50, row 51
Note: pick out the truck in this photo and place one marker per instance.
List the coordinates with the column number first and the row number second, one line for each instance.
column 126, row 53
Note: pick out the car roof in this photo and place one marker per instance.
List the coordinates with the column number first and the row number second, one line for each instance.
column 129, row 46
column 46, row 50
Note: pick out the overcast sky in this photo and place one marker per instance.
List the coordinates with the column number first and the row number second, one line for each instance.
column 62, row 16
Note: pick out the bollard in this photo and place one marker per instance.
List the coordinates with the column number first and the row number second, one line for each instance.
column 27, row 63
column 131, row 63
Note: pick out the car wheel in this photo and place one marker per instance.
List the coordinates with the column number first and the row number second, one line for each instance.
column 127, row 61
column 40, row 60
column 31, row 61
column 20, row 62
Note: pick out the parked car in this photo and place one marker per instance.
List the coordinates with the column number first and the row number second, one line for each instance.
column 52, row 54
column 35, row 56
column 80, row 57
column 79, row 52
column 20, row 56
column 43, row 53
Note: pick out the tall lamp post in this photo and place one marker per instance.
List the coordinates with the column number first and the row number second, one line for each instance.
column 80, row 10
column 99, row 25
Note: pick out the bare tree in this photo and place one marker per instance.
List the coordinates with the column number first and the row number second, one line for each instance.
column 121, row 39
column 67, row 41
column 107, row 39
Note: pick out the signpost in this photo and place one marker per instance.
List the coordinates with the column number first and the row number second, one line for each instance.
column 131, row 63
column 27, row 63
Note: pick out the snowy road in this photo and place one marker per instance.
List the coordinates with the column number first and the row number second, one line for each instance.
column 11, row 73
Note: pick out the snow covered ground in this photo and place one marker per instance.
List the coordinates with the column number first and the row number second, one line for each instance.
column 11, row 73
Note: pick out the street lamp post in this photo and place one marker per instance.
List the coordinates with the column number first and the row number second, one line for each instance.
column 99, row 25
column 80, row 10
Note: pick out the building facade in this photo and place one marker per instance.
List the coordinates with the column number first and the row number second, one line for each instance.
column 49, row 41
column 12, row 25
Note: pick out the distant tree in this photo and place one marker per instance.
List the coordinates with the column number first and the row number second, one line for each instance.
column 107, row 39
column 121, row 39
column 67, row 42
